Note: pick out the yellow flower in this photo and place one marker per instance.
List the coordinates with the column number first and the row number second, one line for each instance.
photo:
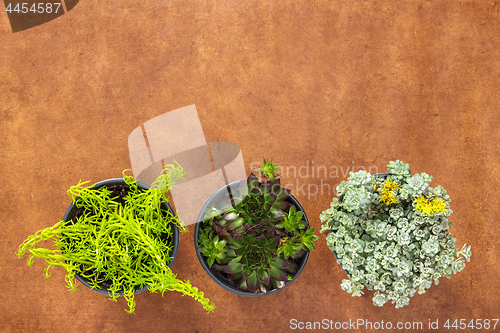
column 389, row 192
column 438, row 206
column 427, row 208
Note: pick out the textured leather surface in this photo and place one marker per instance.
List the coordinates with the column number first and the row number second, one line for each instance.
column 339, row 84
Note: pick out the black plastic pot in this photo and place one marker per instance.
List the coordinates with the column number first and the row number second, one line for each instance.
column 219, row 278
column 385, row 174
column 119, row 182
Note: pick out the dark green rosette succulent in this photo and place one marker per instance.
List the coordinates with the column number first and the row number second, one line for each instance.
column 256, row 237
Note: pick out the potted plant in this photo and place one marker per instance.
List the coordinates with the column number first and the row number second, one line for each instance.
column 390, row 233
column 253, row 237
column 118, row 237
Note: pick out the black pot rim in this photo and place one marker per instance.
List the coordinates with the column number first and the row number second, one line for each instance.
column 219, row 278
column 382, row 174
column 175, row 229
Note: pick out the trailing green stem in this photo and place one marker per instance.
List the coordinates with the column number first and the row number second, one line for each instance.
column 121, row 236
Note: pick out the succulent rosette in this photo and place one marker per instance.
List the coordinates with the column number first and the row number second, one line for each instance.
column 257, row 236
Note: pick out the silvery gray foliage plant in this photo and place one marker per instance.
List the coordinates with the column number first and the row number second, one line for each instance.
column 390, row 233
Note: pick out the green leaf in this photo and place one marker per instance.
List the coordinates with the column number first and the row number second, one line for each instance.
column 276, row 186
column 245, row 216
column 278, row 274
column 278, row 262
column 292, row 267
column 299, row 215
column 230, row 216
column 309, row 245
column 236, row 224
column 240, row 230
column 283, row 194
column 272, row 243
column 210, row 261
column 221, row 256
column 234, row 266
column 261, row 240
column 247, row 270
column 220, row 245
column 252, row 281
column 231, row 253
column 276, row 214
column 233, row 243
column 281, row 205
column 264, row 287
column 269, row 198
column 243, row 285
column 265, row 189
column 263, row 276
column 222, row 223
column 255, row 193
column 242, row 240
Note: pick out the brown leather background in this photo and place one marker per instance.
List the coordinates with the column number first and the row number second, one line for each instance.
column 338, row 83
